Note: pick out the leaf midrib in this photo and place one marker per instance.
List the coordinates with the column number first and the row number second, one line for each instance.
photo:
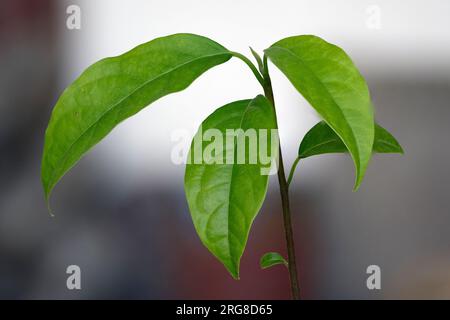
column 231, row 181
column 388, row 143
column 319, row 145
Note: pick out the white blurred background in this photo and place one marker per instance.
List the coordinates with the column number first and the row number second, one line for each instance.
column 121, row 213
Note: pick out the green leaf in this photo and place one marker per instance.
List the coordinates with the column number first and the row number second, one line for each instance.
column 271, row 259
column 116, row 88
column 385, row 142
column 327, row 78
column 322, row 139
column 224, row 196
column 258, row 60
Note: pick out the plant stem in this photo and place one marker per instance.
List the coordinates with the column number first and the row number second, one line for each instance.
column 250, row 65
column 264, row 80
column 284, row 191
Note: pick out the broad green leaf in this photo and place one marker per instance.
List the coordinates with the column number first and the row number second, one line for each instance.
column 322, row 139
column 224, row 196
column 271, row 259
column 116, row 88
column 327, row 78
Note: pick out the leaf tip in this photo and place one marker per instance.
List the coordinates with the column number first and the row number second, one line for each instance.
column 358, row 180
column 47, row 192
column 49, row 209
column 47, row 202
column 232, row 266
column 234, row 272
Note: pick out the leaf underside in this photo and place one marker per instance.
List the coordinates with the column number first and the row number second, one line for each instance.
column 225, row 198
column 270, row 259
column 116, row 88
column 327, row 78
column 321, row 139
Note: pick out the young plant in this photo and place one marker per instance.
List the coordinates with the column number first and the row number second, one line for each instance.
column 224, row 194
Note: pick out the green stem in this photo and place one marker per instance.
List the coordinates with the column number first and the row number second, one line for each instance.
column 284, row 191
column 291, row 173
column 250, row 65
column 266, row 83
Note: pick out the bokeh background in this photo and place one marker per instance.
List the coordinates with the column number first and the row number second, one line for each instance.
column 121, row 214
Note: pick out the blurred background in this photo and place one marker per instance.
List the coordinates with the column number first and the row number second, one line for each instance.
column 121, row 213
